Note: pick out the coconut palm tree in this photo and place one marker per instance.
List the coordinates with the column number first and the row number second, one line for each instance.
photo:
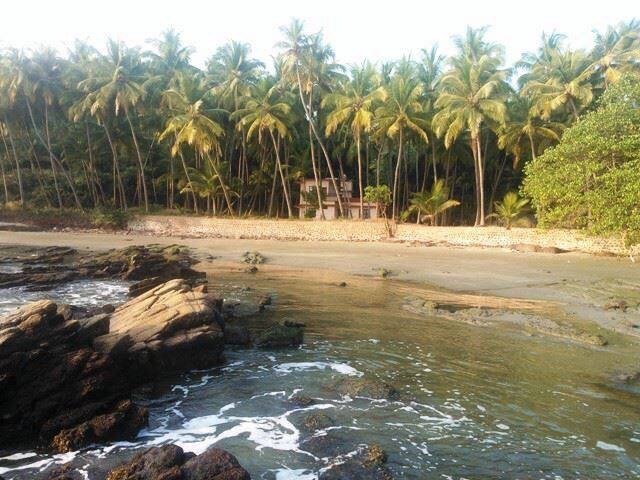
column 233, row 73
column 472, row 95
column 616, row 51
column 565, row 84
column 267, row 112
column 354, row 105
column 192, row 123
column 431, row 203
column 118, row 86
column 304, row 64
column 401, row 111
column 525, row 127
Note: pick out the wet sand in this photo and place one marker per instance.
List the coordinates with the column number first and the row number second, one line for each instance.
column 579, row 284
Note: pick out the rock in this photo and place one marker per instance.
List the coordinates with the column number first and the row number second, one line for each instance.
column 280, row 336
column 252, row 258
column 368, row 464
column 317, row 421
column 236, row 334
column 251, row 269
column 66, row 382
column 301, row 400
column 170, row 462
column 171, row 327
column 626, row 377
column 384, row 273
column 526, row 248
column 121, row 424
column 342, row 284
column 365, row 387
column 552, row 250
column 617, row 304
column 327, row 445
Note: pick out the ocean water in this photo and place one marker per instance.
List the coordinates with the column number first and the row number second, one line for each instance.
column 473, row 402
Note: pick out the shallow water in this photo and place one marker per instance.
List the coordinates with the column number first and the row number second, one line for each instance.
column 474, row 402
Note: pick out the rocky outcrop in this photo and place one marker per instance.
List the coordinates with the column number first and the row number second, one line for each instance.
column 65, row 381
column 169, row 328
column 168, row 462
column 146, row 266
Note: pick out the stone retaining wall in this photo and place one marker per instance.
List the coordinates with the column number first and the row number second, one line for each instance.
column 371, row 230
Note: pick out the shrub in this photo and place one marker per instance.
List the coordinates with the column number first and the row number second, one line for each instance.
column 591, row 179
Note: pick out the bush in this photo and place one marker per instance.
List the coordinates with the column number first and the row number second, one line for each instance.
column 109, row 219
column 591, row 179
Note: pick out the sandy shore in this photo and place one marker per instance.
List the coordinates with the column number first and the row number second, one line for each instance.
column 578, row 283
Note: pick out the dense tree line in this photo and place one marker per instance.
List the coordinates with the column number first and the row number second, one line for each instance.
column 131, row 127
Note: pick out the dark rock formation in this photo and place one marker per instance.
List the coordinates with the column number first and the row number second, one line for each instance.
column 317, row 421
column 65, row 382
column 168, row 462
column 148, row 266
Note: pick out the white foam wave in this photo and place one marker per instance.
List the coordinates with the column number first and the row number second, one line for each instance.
column 342, row 368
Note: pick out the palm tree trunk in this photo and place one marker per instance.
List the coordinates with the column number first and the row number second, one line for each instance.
column 474, row 151
column 307, row 112
column 140, row 163
column 282, row 179
column 15, row 157
column 533, row 148
column 53, row 166
column 97, row 185
column 316, row 176
column 396, row 175
column 360, row 177
column 273, row 189
column 117, row 179
column 8, row 157
column 53, row 157
column 480, row 183
column 225, row 192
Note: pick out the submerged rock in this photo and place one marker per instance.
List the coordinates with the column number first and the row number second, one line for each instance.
column 366, row 387
column 253, row 258
column 367, row 464
column 617, row 304
column 317, row 421
column 281, row 336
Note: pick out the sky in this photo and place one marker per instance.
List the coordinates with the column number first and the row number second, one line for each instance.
column 357, row 29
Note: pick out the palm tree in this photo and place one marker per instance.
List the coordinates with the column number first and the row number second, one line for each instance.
column 526, row 127
column 565, row 83
column 400, row 112
column 267, row 112
column 616, row 50
column 304, row 57
column 510, row 209
column 233, row 73
column 118, row 86
column 431, row 203
column 472, row 95
column 192, row 123
column 354, row 104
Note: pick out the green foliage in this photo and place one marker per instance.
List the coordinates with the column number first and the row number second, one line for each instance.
column 380, row 195
column 110, row 219
column 510, row 210
column 591, row 179
column 429, row 204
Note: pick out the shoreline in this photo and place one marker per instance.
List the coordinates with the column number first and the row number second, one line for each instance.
column 579, row 285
